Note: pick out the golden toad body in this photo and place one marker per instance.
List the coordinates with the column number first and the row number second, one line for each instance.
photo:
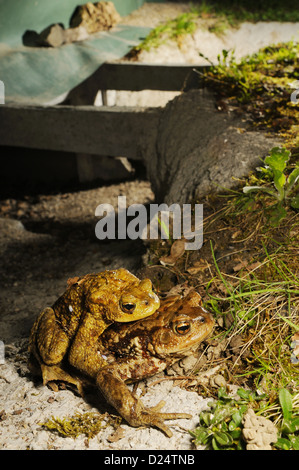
column 90, row 304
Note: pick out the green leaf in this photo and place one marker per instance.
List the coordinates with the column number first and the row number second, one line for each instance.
column 215, row 445
column 223, row 438
column 295, row 202
column 287, row 427
column 248, row 189
column 277, row 161
column 236, row 434
column 295, row 424
column 205, row 418
column 283, row 444
column 278, row 158
column 290, row 426
column 295, row 442
column 201, row 436
column 232, row 426
column 293, row 177
column 285, row 400
column 279, row 182
column 237, row 418
column 245, row 394
column 222, row 394
column 223, row 427
column 278, row 213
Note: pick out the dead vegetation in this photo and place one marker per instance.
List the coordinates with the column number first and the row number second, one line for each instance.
column 247, row 274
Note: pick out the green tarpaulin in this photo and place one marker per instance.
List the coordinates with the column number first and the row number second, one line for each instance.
column 38, row 75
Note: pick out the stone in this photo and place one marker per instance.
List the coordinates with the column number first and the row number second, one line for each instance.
column 95, row 17
column 258, row 432
column 52, row 36
column 55, row 35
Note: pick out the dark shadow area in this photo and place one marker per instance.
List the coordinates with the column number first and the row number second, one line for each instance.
column 248, row 10
column 31, row 172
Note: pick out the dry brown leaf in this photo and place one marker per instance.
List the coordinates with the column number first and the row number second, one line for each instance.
column 236, row 234
column 177, row 250
column 221, row 287
column 167, row 261
column 198, row 266
column 180, row 289
column 253, row 266
column 117, row 435
column 240, row 265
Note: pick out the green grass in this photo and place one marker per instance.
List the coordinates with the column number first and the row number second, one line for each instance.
column 262, row 85
column 219, row 16
column 170, row 30
column 236, row 11
column 263, row 309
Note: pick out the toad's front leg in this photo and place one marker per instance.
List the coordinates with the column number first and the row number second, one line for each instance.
column 83, row 353
column 128, row 405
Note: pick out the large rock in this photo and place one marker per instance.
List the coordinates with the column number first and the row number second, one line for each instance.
column 199, row 149
column 86, row 19
column 95, row 17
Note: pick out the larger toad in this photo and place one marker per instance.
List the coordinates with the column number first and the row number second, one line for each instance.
column 72, row 326
column 134, row 351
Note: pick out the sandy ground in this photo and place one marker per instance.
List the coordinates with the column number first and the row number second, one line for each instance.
column 45, row 241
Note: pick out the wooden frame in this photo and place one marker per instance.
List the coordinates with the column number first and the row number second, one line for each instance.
column 113, row 131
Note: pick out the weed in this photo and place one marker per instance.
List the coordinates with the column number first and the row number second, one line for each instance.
column 221, row 427
column 264, row 313
column 164, row 228
column 289, row 437
column 171, row 30
column 88, row 423
column 262, row 85
column 283, row 186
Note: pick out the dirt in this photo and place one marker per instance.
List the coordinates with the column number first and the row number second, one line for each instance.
column 46, row 239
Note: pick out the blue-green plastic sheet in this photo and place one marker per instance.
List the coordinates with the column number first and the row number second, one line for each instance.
column 39, row 75
column 35, row 75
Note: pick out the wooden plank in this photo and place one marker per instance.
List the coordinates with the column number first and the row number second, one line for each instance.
column 112, row 131
column 136, row 77
column 139, row 76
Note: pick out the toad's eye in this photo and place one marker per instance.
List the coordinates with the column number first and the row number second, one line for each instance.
column 127, row 307
column 182, row 328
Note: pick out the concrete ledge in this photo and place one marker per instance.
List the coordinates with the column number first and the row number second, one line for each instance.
column 113, row 131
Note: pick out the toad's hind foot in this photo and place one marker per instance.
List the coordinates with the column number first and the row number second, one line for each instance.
column 152, row 417
column 55, row 377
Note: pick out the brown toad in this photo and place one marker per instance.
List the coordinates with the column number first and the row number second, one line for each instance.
column 72, row 326
column 131, row 352
column 146, row 347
